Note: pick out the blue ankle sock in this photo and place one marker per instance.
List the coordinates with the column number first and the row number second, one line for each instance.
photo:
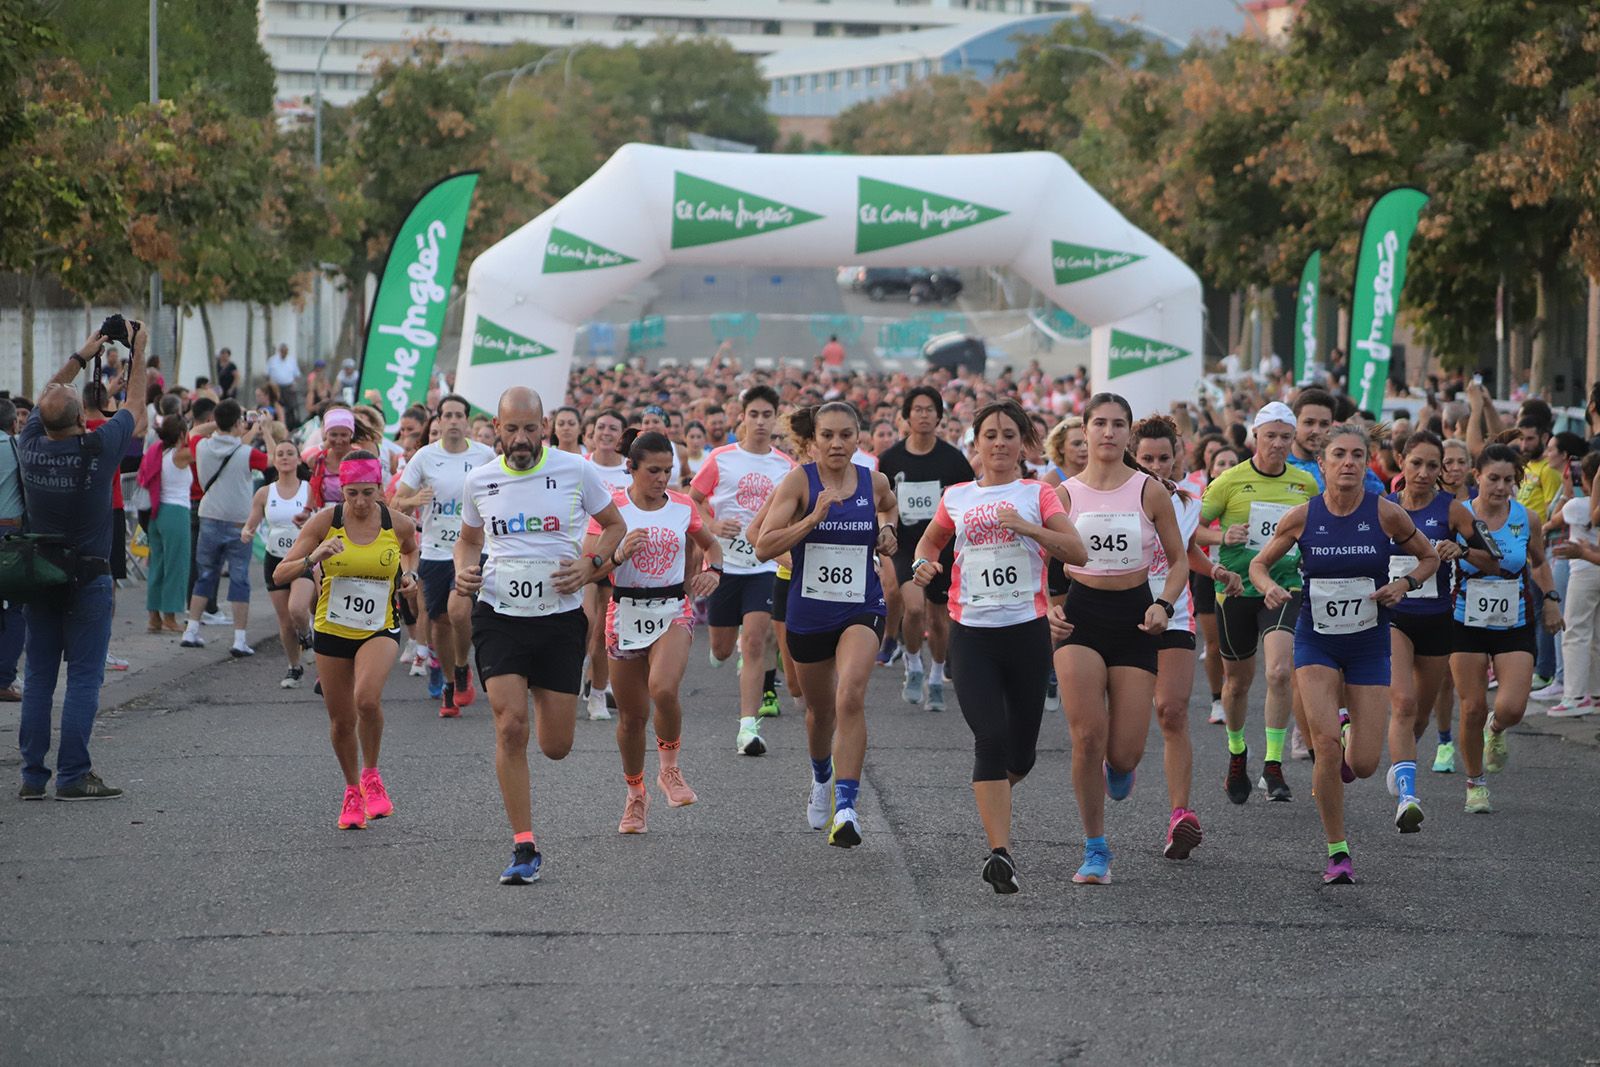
column 1093, row 843
column 1405, row 777
column 844, row 793
column 822, row 769
column 1444, row 737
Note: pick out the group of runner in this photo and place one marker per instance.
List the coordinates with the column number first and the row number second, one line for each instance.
column 1026, row 566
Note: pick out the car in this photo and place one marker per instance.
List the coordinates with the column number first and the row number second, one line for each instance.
column 845, row 278
column 879, row 283
column 935, row 287
column 953, row 351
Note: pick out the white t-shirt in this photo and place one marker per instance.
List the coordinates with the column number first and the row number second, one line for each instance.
column 445, row 473
column 999, row 578
column 537, row 514
column 1188, row 521
column 865, row 459
column 277, row 521
column 735, row 484
column 1575, row 512
column 661, row 561
column 615, row 479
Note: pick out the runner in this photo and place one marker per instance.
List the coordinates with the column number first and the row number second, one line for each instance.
column 1456, row 479
column 566, row 430
column 338, row 435
column 1341, row 642
column 732, row 485
column 1494, row 620
column 1249, row 500
column 524, row 515
column 432, row 481
column 832, row 515
column 1067, row 448
column 799, row 447
column 920, row 469
column 366, row 553
column 649, row 625
column 1003, row 525
column 279, row 504
column 1156, row 450
column 1113, row 625
column 1201, row 586
column 1580, row 663
column 612, row 466
column 1419, row 634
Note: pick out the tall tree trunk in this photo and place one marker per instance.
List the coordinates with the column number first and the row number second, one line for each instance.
column 211, row 343
column 1235, row 322
column 266, row 326
column 1592, row 348
column 27, row 309
column 1539, row 356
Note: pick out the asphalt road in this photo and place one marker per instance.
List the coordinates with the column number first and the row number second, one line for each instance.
column 216, row 915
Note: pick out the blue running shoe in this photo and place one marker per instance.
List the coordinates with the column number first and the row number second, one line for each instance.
column 1118, row 786
column 524, row 869
column 1096, row 869
column 435, row 681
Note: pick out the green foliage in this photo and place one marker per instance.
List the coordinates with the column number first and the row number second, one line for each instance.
column 932, row 117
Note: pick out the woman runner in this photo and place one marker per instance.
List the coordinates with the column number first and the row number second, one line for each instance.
column 1455, row 478
column 612, row 467
column 649, row 624
column 1341, row 638
column 831, row 516
column 1004, row 526
column 365, row 551
column 278, row 505
column 1113, row 625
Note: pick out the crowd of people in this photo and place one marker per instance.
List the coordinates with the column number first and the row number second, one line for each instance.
column 1026, row 541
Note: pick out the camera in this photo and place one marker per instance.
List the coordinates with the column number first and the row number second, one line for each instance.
column 115, row 328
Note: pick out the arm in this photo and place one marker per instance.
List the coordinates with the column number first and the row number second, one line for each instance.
column 786, row 526
column 78, row 361
column 1449, row 549
column 703, row 582
column 1543, row 582
column 1405, row 535
column 1290, row 527
column 309, row 549
column 573, row 575
column 888, row 507
column 1158, row 505
column 926, row 566
column 405, row 531
column 138, row 374
column 258, row 511
column 469, row 573
column 1200, row 563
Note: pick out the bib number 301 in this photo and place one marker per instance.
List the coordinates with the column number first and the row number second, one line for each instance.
column 359, row 603
column 1343, row 605
column 526, row 587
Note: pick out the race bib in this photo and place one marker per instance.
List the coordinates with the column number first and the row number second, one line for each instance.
column 280, row 539
column 835, row 572
column 738, row 554
column 1263, row 523
column 1492, row 603
column 639, row 622
column 1400, row 566
column 442, row 538
column 1343, row 605
column 526, row 587
column 359, row 603
column 1112, row 538
column 996, row 574
column 918, row 501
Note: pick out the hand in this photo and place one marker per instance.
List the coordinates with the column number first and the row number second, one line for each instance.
column 92, row 346
column 408, row 586
column 1389, row 595
column 1237, row 534
column 300, row 519
column 246, row 534
column 703, row 584
column 331, row 547
column 1009, row 519
column 631, row 543
column 1155, row 619
column 1476, row 394
column 1232, row 584
column 469, row 580
column 1553, row 622
column 1060, row 628
column 1449, row 551
column 573, row 574
column 888, row 540
column 141, row 337
column 423, row 498
column 726, row 528
column 927, row 572
column 825, row 500
column 1276, row 596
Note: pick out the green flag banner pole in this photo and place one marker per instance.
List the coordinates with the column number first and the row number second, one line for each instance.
column 1380, row 276
column 1305, row 317
column 409, row 306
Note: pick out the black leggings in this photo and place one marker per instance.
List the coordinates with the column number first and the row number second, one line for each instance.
column 1000, row 675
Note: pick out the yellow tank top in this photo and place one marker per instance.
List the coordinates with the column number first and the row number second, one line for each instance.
column 357, row 597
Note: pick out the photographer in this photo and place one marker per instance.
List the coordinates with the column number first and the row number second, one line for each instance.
column 67, row 474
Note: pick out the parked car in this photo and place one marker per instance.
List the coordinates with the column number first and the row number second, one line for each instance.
column 845, row 278
column 920, row 284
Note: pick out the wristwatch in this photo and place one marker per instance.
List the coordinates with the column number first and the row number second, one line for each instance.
column 1553, row 596
column 1411, row 582
column 595, row 559
column 714, row 567
column 1166, row 607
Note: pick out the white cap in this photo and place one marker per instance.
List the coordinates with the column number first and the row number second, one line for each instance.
column 1277, row 411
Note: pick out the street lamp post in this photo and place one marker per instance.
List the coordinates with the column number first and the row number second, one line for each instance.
column 155, row 97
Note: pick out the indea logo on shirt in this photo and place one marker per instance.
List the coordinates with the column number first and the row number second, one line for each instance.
column 520, row 523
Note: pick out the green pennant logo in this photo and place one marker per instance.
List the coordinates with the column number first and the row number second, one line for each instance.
column 493, row 343
column 1075, row 263
column 888, row 215
column 1131, row 353
column 565, row 251
column 704, row 212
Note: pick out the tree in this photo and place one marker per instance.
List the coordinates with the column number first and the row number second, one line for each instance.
column 931, row 117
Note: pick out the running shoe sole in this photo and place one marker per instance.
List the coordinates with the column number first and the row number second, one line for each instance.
column 1092, row 879
column 517, row 879
column 1409, row 820
column 1001, row 875
column 1186, row 837
column 754, row 747
column 845, row 835
column 1341, row 878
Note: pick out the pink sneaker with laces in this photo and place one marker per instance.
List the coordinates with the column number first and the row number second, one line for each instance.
column 676, row 789
column 353, row 815
column 379, row 806
column 633, row 814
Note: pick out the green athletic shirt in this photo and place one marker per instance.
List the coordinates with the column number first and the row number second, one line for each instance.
column 1229, row 497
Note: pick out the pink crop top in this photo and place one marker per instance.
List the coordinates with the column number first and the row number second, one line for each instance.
column 1118, row 534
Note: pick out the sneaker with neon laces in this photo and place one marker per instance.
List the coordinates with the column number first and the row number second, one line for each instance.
column 1540, row 683
column 465, row 692
column 1218, row 717
column 911, row 692
column 1408, row 816
column 1298, row 749
column 1237, row 783
column 449, row 706
column 1000, row 872
column 435, row 681
column 1272, row 782
column 291, row 678
column 634, row 811
column 770, row 708
column 748, row 741
column 935, row 701
column 1444, row 758
column 845, row 829
column 1478, row 800
column 1550, row 693
column 1572, row 709
column 379, row 806
column 1495, row 753
column 1096, row 869
column 676, row 790
column 1339, row 871
column 598, row 712
column 819, row 806
column 525, row 864
column 1183, row 834
column 1118, row 783
column 353, row 811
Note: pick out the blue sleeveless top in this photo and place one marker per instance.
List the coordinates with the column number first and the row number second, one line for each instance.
column 851, row 522
column 1512, row 537
column 1434, row 522
column 1343, row 546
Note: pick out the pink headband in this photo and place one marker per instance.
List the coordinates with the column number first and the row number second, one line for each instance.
column 339, row 419
column 360, row 471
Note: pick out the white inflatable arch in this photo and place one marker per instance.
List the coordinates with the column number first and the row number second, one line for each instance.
column 648, row 207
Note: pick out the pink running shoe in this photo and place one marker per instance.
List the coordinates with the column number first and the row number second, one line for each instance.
column 679, row 795
column 633, row 815
column 379, row 806
column 353, row 816
column 1183, row 834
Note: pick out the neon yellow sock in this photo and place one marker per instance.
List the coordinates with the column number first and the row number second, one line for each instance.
column 1236, row 744
column 1275, row 744
column 1336, row 847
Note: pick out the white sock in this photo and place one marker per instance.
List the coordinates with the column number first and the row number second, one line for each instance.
column 913, row 662
column 192, row 629
column 240, row 639
column 936, row 673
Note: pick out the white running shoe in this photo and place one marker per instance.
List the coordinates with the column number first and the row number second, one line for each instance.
column 115, row 663
column 598, row 712
column 1298, row 749
column 749, row 742
column 845, row 830
column 1572, row 709
column 1217, row 717
column 216, row 618
column 1389, row 782
column 912, row 692
column 1550, row 693
column 820, row 806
